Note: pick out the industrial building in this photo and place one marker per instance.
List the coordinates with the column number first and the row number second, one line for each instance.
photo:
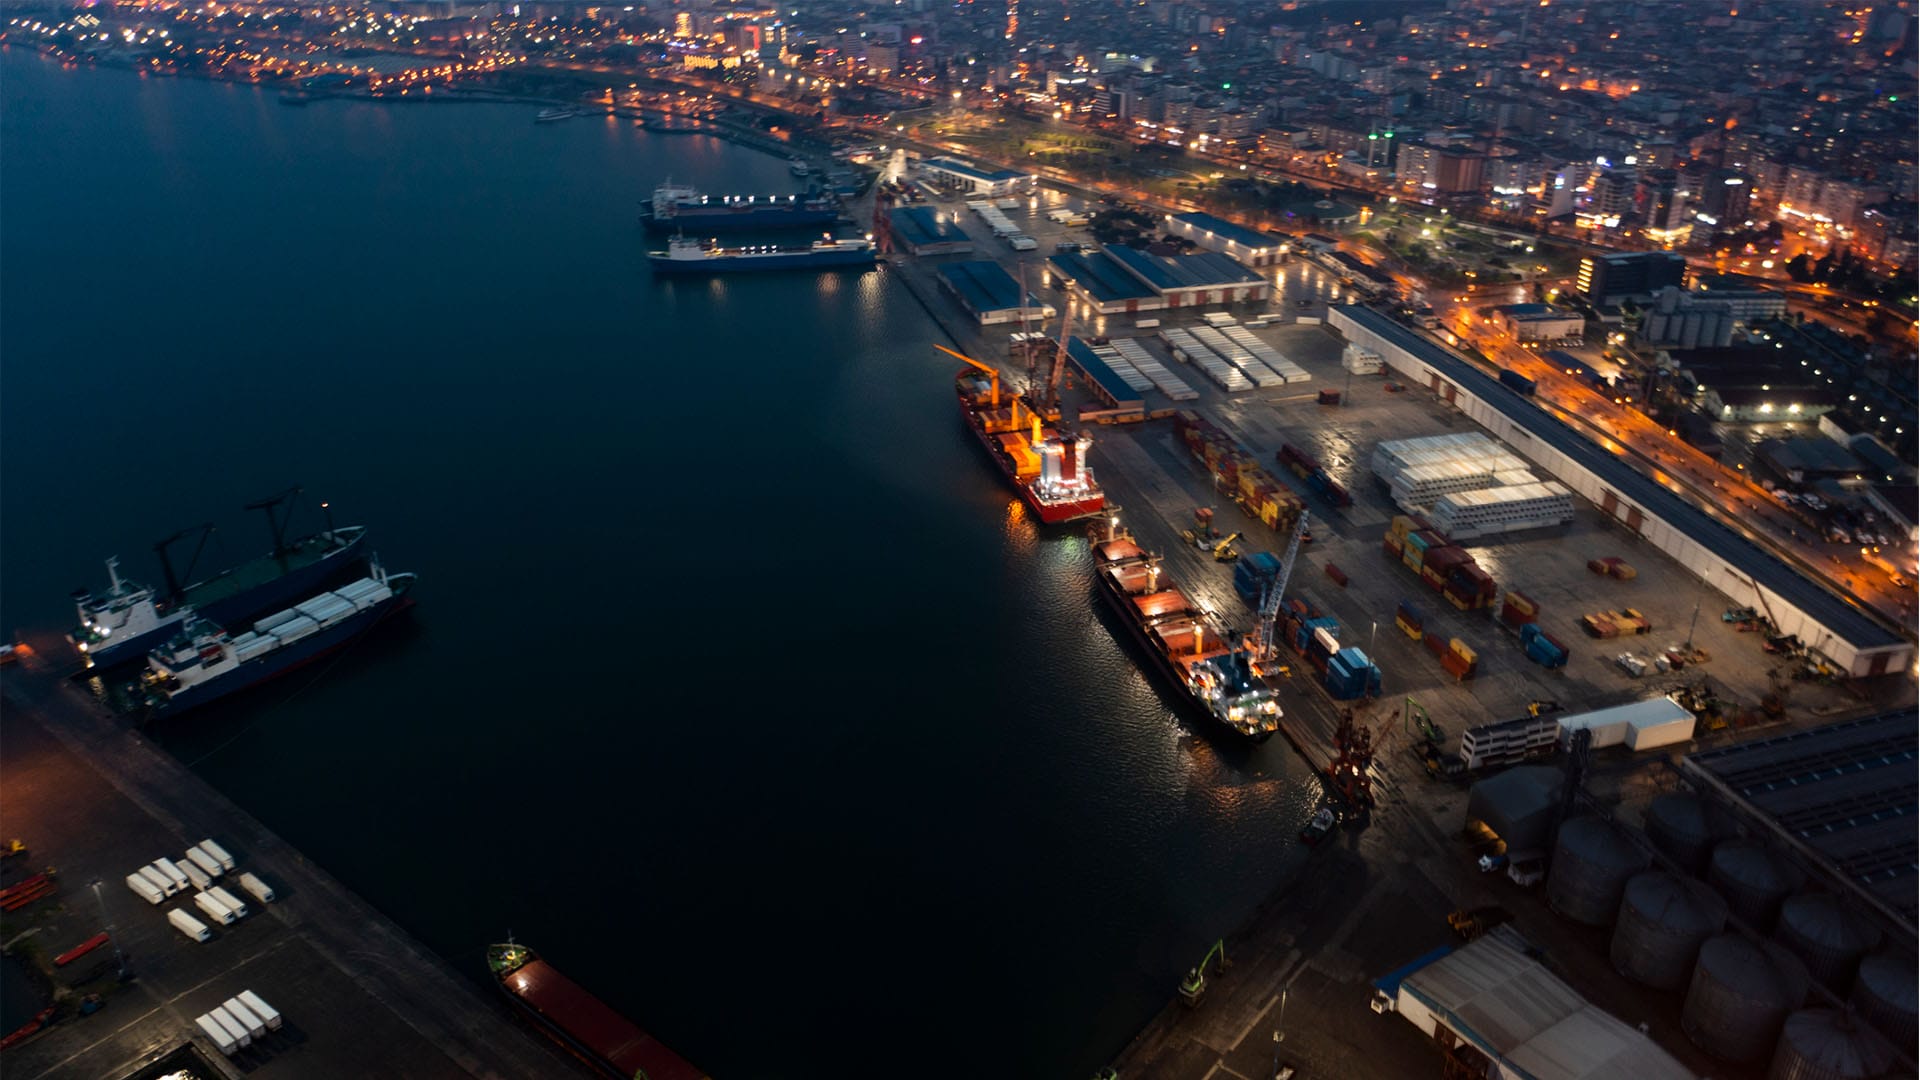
column 1100, row 376
column 1605, row 280
column 1540, row 322
column 1123, row 279
column 960, row 176
column 990, row 294
column 1642, row 725
column 921, row 231
column 1501, row 1014
column 1852, row 640
column 1237, row 242
column 1706, row 318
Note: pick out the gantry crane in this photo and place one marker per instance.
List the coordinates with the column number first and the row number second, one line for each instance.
column 1264, row 646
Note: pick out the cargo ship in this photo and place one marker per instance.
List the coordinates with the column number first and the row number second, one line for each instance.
column 582, row 1023
column 129, row 619
column 1046, row 466
column 677, row 206
column 203, row 662
column 685, row 255
column 1212, row 676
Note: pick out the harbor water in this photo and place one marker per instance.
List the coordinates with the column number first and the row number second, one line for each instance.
column 738, row 685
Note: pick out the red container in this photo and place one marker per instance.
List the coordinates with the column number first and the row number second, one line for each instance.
column 1436, row 644
column 1444, row 560
column 1458, row 666
column 1338, row 575
column 80, row 950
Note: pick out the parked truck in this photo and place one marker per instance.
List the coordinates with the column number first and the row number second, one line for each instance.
column 147, row 890
column 219, row 854
column 189, row 925
column 215, row 910
column 258, row 1006
column 260, row 890
column 232, row 902
column 213, row 1030
column 207, row 863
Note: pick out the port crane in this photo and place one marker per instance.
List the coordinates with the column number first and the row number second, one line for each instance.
column 1264, row 648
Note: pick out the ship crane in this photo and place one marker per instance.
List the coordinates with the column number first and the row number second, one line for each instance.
column 176, row 583
column 277, row 519
column 1264, row 646
column 993, row 373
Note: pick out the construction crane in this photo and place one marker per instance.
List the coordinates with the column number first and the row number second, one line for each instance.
column 1264, row 647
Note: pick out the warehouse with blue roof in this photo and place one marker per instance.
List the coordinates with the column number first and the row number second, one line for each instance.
column 1122, row 279
column 1237, row 242
column 920, row 230
column 1852, row 640
column 990, row 294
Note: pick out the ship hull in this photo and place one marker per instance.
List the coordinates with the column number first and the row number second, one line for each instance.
column 1049, row 513
column 1176, row 680
column 733, row 264
column 585, row 1027
column 706, row 222
column 281, row 661
column 291, row 587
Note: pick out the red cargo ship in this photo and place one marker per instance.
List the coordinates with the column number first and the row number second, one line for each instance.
column 582, row 1023
column 1048, row 467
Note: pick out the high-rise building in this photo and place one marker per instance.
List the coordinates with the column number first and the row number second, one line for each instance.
column 1606, row 280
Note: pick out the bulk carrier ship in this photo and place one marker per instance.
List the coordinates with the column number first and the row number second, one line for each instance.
column 203, row 662
column 1213, row 677
column 130, row 618
column 689, row 256
column 582, row 1023
column 1046, row 466
column 676, row 207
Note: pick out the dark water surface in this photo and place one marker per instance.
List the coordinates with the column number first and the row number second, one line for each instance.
column 737, row 686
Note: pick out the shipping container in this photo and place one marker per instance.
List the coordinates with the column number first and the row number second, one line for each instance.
column 256, row 1028
column 189, row 925
column 295, row 628
column 159, row 880
column 1329, row 397
column 174, row 874
column 215, row 910
column 145, row 888
column 234, row 1028
column 267, row 1013
column 218, row 1035
column 232, row 902
column 194, row 874
column 205, row 862
column 261, row 890
column 1623, row 571
column 1338, row 575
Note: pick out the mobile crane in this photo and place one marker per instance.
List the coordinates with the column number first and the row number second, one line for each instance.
column 1262, row 645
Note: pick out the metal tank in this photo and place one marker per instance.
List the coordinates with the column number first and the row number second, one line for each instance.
column 1826, row 937
column 1753, row 880
column 1740, row 994
column 1685, row 827
column 1885, row 994
column 1663, row 920
column 1826, row 1044
column 1592, row 861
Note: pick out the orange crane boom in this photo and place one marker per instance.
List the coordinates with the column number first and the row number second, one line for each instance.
column 993, row 373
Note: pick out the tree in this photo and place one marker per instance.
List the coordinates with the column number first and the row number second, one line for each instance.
column 1800, row 268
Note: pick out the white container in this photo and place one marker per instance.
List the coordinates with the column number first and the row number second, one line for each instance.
column 194, row 874
column 158, row 880
column 145, row 888
column 221, row 1040
column 206, row 862
column 219, row 853
column 261, row 890
column 215, row 910
column 189, row 925
column 235, row 1029
column 166, row 866
column 258, row 1006
column 239, row 1011
column 232, row 902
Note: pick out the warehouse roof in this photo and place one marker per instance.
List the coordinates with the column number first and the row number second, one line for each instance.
column 919, row 225
column 1780, row 579
column 1200, row 270
column 1227, row 230
column 1845, row 793
column 1103, row 278
column 985, row 286
column 1101, row 372
column 1518, row 1013
column 964, row 169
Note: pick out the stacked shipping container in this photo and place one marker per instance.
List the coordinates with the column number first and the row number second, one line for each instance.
column 1238, row 473
column 1308, row 468
column 1447, row 569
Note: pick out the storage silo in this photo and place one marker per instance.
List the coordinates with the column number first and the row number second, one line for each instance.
column 1753, row 880
column 1885, row 994
column 1592, row 861
column 1740, row 994
column 1663, row 920
column 1826, row 937
column 1826, row 1044
column 1685, row 827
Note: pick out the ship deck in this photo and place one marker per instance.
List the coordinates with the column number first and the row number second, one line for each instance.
column 257, row 572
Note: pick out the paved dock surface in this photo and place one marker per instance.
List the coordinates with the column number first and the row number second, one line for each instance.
column 360, row 998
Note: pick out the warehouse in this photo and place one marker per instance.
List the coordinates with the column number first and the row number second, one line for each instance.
column 1529, row 1024
column 920, row 230
column 1094, row 279
column 960, row 176
column 1237, row 242
column 1192, row 280
column 1643, row 725
column 1852, row 640
column 1101, row 377
column 991, row 294
column 1840, row 797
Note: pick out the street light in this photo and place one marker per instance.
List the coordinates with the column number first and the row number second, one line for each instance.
column 108, row 928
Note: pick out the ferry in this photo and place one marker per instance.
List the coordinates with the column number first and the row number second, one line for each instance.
column 677, row 206
column 130, row 618
column 685, row 255
column 204, row 662
column 604, row 1040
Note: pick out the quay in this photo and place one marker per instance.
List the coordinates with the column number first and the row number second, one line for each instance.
column 96, row 800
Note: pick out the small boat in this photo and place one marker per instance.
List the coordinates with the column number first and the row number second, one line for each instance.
column 548, row 116
column 799, row 167
column 1317, row 829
